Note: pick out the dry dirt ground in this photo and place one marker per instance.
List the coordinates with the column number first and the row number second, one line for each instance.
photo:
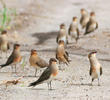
column 37, row 27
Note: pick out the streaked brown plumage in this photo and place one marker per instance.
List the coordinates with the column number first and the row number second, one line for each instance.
column 61, row 54
column 48, row 75
column 62, row 35
column 91, row 25
column 36, row 61
column 84, row 18
column 73, row 30
column 95, row 67
column 14, row 58
column 4, row 43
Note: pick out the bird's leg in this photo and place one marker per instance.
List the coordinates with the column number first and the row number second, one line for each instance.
column 12, row 68
column 76, row 44
column 92, row 80
column 71, row 38
column 15, row 68
column 1, row 54
column 98, row 82
column 50, row 86
column 59, row 65
column 35, row 72
column 76, row 41
column 6, row 55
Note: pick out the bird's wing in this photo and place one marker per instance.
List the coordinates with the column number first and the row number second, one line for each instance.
column 57, row 37
column 45, row 76
column 66, row 56
column 8, row 45
column 88, row 30
column 0, row 40
column 67, row 38
column 66, row 53
column 42, row 63
column 81, row 20
column 90, row 72
column 9, row 60
column 69, row 30
column 100, row 70
column 78, row 33
column 56, row 56
column 96, row 25
column 90, row 27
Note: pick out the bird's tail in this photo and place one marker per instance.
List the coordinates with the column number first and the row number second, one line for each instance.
column 86, row 33
column 66, row 63
column 3, row 65
column 33, row 84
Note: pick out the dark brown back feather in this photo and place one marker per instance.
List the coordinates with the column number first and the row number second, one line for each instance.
column 45, row 76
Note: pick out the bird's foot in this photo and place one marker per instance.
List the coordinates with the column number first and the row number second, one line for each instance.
column 99, row 85
column 91, row 84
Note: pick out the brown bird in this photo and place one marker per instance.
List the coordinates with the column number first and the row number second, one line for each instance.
column 48, row 75
column 92, row 24
column 62, row 34
column 95, row 67
column 4, row 43
column 14, row 58
column 84, row 18
column 36, row 61
column 73, row 30
column 61, row 54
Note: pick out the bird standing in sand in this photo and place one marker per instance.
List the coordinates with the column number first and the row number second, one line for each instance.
column 4, row 43
column 95, row 67
column 36, row 61
column 61, row 54
column 92, row 24
column 84, row 18
column 48, row 75
column 62, row 34
column 73, row 30
column 14, row 58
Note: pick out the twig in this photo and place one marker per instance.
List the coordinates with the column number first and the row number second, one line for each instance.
column 12, row 82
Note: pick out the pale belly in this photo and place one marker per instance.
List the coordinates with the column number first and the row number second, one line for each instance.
column 93, row 26
column 96, row 73
column 4, row 47
column 74, row 34
column 63, row 39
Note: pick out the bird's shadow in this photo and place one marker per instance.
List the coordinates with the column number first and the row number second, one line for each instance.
column 85, row 84
column 27, row 76
column 44, row 36
column 31, row 76
column 32, row 88
column 82, row 84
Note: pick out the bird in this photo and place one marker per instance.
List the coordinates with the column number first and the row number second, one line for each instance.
column 84, row 18
column 73, row 30
column 61, row 54
column 92, row 24
column 62, row 35
column 95, row 67
column 4, row 43
column 14, row 58
column 48, row 75
column 36, row 61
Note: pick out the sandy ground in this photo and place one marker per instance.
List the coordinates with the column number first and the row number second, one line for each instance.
column 39, row 24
